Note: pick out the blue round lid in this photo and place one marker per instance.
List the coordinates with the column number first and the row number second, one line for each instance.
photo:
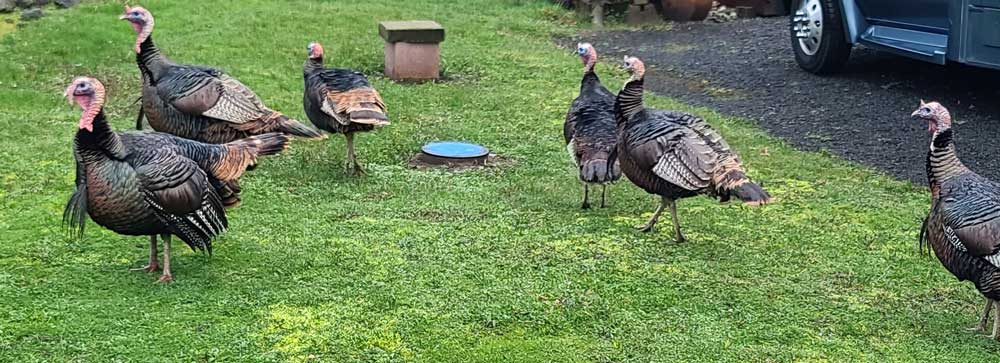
column 455, row 149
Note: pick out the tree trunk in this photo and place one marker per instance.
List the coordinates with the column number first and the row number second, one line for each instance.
column 597, row 13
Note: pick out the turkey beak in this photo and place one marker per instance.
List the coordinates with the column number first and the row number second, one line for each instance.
column 915, row 114
column 69, row 94
column 123, row 17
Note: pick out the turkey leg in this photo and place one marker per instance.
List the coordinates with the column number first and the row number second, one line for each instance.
column 166, row 277
column 981, row 327
column 677, row 224
column 153, row 264
column 996, row 323
column 652, row 220
column 586, row 196
column 352, row 160
column 604, row 191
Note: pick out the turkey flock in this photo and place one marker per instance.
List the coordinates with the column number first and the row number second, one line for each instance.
column 210, row 129
column 667, row 153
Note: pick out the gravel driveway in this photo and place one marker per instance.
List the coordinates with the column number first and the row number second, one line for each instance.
column 746, row 68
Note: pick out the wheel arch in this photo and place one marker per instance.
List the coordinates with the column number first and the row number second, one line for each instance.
column 854, row 21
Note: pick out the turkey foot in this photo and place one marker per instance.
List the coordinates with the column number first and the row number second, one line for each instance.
column 355, row 169
column 151, row 267
column 652, row 220
column 981, row 326
column 153, row 264
column 678, row 236
column 166, row 277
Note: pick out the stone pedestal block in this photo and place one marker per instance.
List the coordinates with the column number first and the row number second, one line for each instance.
column 412, row 49
column 412, row 61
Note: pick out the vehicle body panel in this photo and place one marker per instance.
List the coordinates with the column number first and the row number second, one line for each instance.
column 938, row 31
column 925, row 15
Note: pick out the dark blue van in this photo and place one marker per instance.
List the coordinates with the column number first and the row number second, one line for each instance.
column 964, row 31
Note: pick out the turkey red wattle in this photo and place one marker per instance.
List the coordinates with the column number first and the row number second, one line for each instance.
column 82, row 100
column 87, row 123
column 136, row 26
column 91, row 107
column 77, row 98
column 144, row 32
column 143, row 25
column 90, row 99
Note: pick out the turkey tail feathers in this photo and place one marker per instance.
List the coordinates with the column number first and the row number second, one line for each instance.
column 369, row 117
column 751, row 194
column 599, row 171
column 295, row 128
column 75, row 214
column 241, row 155
column 923, row 239
column 198, row 227
column 229, row 192
column 613, row 160
column 735, row 183
column 267, row 144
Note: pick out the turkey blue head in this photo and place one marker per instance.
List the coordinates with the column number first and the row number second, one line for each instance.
column 89, row 94
column 937, row 116
column 141, row 21
column 587, row 55
column 315, row 50
column 634, row 66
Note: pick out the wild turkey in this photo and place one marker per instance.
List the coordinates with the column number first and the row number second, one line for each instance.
column 963, row 225
column 197, row 102
column 340, row 101
column 589, row 129
column 674, row 154
column 152, row 183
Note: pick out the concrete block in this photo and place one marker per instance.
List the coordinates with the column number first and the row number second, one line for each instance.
column 412, row 49
column 414, row 31
column 412, row 61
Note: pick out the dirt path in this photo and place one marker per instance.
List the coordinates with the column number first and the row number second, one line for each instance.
column 746, row 68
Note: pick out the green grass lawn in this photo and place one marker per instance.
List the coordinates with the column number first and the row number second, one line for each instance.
column 433, row 266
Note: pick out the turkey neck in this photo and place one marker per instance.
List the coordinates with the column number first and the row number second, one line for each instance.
column 151, row 62
column 100, row 143
column 629, row 101
column 590, row 81
column 312, row 65
column 942, row 161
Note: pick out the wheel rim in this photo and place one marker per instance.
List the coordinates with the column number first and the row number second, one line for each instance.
column 808, row 26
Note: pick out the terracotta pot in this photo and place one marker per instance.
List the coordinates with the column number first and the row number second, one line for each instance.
column 685, row 10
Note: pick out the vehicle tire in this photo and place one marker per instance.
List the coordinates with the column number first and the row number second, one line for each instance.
column 818, row 37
